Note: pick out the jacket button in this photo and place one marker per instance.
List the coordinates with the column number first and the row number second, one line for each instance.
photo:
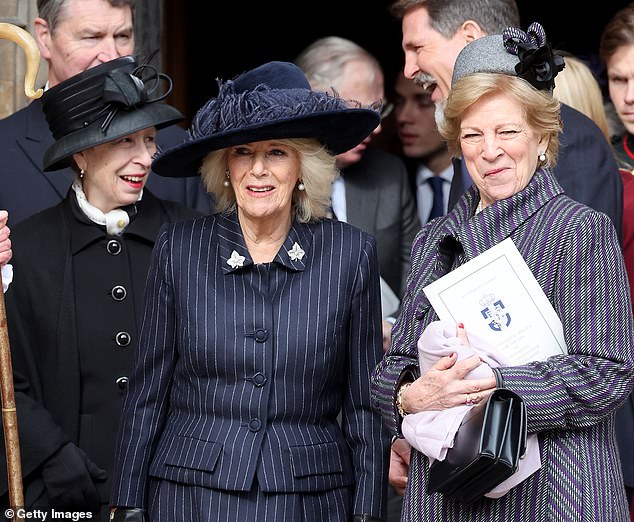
column 255, row 425
column 259, row 380
column 261, row 335
column 118, row 293
column 123, row 338
column 113, row 247
column 122, row 383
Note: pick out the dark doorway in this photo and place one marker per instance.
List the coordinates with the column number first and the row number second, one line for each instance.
column 208, row 40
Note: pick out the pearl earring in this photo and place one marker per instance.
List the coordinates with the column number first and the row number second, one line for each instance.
column 301, row 186
column 81, row 173
column 542, row 157
column 226, row 181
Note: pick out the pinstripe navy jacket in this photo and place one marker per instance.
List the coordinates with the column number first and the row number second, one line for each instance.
column 242, row 370
column 571, row 399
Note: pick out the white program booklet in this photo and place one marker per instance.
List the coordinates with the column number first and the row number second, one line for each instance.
column 497, row 298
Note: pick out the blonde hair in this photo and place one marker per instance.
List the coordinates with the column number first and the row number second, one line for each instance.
column 577, row 87
column 541, row 110
column 317, row 172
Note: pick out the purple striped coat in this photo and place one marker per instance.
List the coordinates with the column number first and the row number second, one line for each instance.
column 571, row 399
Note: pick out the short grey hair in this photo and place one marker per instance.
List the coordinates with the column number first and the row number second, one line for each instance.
column 318, row 171
column 324, row 60
column 53, row 10
column 447, row 16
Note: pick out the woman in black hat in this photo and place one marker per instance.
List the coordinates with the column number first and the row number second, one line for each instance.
column 75, row 308
column 262, row 324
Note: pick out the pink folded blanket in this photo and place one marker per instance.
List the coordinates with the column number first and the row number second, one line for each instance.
column 433, row 432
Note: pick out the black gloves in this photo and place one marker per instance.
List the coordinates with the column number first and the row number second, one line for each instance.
column 124, row 514
column 69, row 476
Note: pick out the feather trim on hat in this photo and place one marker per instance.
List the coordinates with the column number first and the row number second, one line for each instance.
column 231, row 110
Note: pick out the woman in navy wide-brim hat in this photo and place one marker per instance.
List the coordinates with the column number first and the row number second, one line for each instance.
column 262, row 325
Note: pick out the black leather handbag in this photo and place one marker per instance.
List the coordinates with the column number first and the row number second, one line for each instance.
column 486, row 451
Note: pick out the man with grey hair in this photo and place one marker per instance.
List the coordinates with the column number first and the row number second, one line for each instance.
column 74, row 35
column 434, row 33
column 373, row 191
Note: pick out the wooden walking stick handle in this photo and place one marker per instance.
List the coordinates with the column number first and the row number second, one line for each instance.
column 25, row 40
column 9, row 414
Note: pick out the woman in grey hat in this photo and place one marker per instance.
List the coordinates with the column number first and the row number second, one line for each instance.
column 502, row 119
column 75, row 308
column 263, row 322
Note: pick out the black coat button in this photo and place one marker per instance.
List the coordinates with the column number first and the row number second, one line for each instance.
column 113, row 247
column 118, row 293
column 255, row 425
column 122, row 383
column 123, row 338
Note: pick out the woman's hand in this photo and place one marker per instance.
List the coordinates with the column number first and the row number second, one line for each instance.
column 444, row 385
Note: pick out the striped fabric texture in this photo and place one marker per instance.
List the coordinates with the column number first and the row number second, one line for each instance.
column 243, row 368
column 571, row 399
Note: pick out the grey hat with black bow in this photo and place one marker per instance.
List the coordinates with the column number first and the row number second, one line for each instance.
column 514, row 52
column 272, row 101
column 106, row 102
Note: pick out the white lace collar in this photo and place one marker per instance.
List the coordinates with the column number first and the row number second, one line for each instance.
column 115, row 221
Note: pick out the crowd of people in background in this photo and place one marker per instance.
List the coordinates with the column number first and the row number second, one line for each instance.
column 223, row 321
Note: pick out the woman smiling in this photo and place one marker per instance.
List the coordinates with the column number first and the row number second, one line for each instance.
column 75, row 310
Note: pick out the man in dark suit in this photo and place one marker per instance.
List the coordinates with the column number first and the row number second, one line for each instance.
column 74, row 35
column 373, row 191
column 426, row 154
column 378, row 199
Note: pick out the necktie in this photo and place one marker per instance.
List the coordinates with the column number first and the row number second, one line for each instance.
column 437, row 208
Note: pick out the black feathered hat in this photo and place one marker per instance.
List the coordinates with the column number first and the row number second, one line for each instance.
column 101, row 104
column 273, row 101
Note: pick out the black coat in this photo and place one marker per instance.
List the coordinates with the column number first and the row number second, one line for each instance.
column 45, row 326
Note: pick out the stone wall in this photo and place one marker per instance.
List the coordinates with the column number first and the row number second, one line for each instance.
column 12, row 58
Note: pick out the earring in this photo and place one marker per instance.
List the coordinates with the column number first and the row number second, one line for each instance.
column 226, row 181
column 81, row 173
column 542, row 157
column 301, row 186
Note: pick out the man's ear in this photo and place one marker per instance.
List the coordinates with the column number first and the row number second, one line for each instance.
column 42, row 37
column 471, row 30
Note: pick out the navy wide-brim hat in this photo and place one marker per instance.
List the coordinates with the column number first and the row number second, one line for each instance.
column 273, row 101
column 101, row 104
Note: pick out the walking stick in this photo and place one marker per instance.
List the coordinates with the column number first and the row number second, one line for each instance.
column 9, row 415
